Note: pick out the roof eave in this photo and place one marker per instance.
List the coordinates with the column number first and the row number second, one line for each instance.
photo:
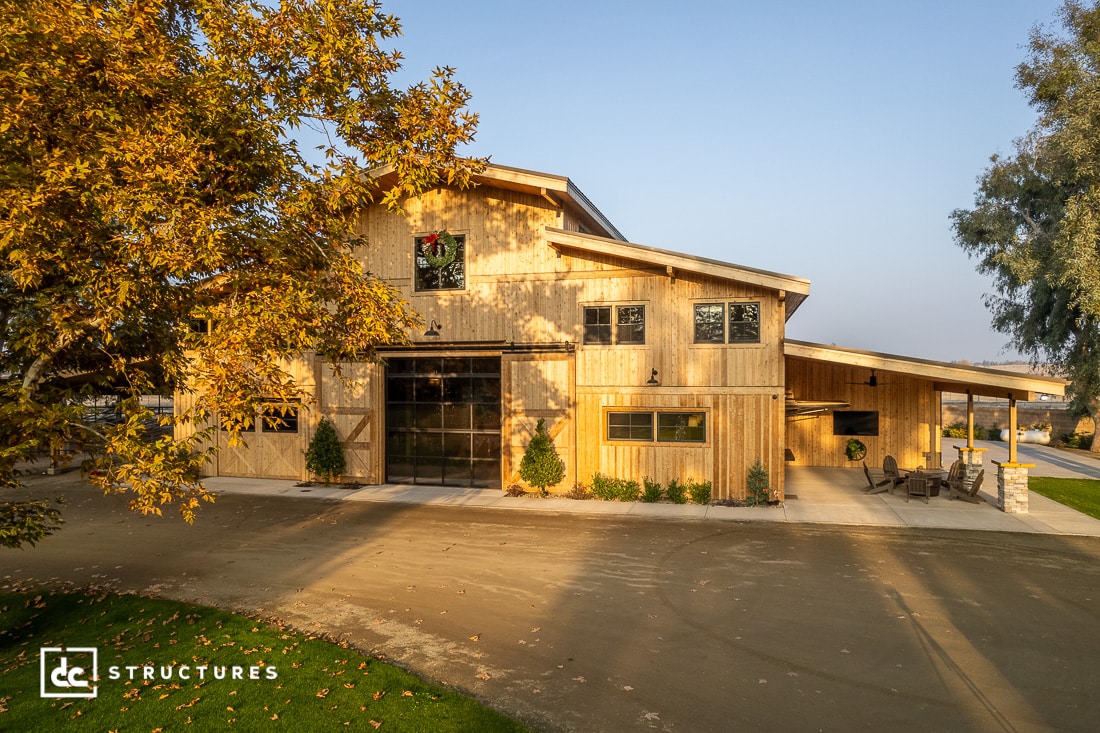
column 946, row 377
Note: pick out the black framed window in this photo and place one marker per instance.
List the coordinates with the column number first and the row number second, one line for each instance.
column 708, row 323
column 630, row 324
column 279, row 418
column 620, row 324
column 682, row 427
column 744, row 325
column 439, row 264
column 597, row 324
column 630, row 426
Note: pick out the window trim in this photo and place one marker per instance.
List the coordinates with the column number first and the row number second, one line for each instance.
column 463, row 242
column 726, row 306
column 614, row 309
column 655, row 440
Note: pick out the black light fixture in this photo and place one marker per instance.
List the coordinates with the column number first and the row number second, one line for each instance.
column 652, row 381
column 432, row 328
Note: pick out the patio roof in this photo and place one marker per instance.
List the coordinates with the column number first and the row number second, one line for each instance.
column 945, row 377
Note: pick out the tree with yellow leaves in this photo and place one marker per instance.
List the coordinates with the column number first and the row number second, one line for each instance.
column 150, row 180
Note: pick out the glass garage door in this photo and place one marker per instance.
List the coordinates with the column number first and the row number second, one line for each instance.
column 443, row 421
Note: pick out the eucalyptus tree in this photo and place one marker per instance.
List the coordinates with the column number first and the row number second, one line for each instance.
column 1035, row 224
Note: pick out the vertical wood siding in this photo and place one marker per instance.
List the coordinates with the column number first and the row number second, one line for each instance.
column 908, row 415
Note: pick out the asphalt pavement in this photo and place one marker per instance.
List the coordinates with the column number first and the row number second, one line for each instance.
column 620, row 617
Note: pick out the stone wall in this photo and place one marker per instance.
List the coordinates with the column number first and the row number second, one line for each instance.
column 986, row 414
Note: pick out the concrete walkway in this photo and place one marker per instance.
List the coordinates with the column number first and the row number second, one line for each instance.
column 815, row 495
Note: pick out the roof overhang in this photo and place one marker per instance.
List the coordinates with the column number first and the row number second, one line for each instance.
column 794, row 289
column 944, row 377
column 556, row 190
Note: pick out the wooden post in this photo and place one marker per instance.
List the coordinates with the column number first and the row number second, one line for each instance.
column 1011, row 428
column 969, row 420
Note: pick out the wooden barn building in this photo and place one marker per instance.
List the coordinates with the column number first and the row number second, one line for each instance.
column 643, row 362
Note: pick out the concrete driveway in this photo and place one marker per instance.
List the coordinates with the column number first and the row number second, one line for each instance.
column 621, row 623
column 1048, row 461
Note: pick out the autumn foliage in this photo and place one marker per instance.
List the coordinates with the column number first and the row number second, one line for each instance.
column 149, row 183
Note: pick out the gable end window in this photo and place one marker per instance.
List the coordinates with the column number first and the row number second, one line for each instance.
column 435, row 268
column 620, row 324
column 727, row 323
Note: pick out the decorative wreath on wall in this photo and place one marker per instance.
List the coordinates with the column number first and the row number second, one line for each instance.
column 439, row 248
column 855, row 450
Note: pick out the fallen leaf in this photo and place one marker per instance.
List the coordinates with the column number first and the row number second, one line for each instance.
column 483, row 676
column 628, row 688
column 407, row 693
column 322, row 693
column 376, row 724
column 475, row 637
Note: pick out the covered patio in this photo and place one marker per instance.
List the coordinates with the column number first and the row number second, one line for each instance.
column 891, row 405
column 834, row 495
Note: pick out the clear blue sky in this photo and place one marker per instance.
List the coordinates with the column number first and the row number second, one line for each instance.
column 827, row 140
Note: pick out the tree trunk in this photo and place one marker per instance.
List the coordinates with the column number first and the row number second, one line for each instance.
column 1094, row 413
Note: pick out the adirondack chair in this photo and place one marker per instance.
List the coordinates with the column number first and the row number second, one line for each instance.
column 874, row 487
column 890, row 470
column 954, row 474
column 917, row 485
column 959, row 490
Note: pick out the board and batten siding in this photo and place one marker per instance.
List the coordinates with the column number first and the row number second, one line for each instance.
column 519, row 289
column 908, row 415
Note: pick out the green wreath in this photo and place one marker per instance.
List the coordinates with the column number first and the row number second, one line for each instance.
column 441, row 238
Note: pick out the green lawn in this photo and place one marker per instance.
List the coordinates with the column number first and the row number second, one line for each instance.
column 1081, row 494
column 315, row 685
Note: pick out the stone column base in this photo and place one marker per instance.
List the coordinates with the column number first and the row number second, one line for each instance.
column 1012, row 486
column 972, row 459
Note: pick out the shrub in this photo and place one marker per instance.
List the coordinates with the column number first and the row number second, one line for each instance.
column 699, row 491
column 757, row 485
column 614, row 489
column 541, row 466
column 579, row 492
column 677, row 492
column 651, row 491
column 1077, row 440
column 325, row 456
column 956, row 430
column 994, row 432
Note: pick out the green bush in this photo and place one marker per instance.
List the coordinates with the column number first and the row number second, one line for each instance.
column 541, row 466
column 325, row 456
column 1077, row 440
column 956, row 430
column 757, row 485
column 699, row 491
column 651, row 490
column 994, row 432
column 677, row 492
column 614, row 489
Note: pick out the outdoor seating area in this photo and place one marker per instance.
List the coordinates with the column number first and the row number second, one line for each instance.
column 922, row 482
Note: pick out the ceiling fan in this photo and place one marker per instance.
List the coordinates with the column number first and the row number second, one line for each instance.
column 871, row 382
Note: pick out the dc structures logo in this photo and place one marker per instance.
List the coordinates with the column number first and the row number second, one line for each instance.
column 69, row 671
